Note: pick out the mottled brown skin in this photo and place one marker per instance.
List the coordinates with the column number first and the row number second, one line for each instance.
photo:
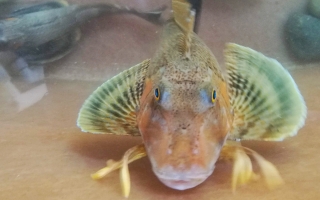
column 183, row 130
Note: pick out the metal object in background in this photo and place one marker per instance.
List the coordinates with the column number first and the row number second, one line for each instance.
column 196, row 5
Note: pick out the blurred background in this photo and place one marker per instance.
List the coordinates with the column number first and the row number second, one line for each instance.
column 54, row 54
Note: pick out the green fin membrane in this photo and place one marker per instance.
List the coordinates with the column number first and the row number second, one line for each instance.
column 111, row 108
column 266, row 101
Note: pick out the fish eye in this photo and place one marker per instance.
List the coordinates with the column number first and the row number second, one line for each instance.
column 157, row 93
column 214, row 96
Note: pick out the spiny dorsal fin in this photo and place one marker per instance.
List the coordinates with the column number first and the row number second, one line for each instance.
column 111, row 108
column 266, row 101
column 184, row 16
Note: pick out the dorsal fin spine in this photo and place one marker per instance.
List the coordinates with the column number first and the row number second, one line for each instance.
column 184, row 16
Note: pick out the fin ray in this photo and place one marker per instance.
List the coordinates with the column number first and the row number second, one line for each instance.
column 110, row 108
column 184, row 16
column 266, row 101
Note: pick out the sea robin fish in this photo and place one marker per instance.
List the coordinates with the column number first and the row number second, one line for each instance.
column 185, row 109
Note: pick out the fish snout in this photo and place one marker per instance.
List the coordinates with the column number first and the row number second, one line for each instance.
column 182, row 179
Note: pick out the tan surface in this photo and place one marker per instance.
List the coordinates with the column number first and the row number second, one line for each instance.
column 43, row 155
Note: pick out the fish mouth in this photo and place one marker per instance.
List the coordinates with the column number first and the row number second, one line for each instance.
column 182, row 181
column 182, row 184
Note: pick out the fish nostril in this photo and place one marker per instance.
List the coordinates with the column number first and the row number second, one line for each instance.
column 184, row 126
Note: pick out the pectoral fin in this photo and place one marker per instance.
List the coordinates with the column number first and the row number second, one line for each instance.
column 111, row 108
column 266, row 101
column 242, row 166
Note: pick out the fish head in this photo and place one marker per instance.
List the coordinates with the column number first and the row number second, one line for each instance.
column 184, row 125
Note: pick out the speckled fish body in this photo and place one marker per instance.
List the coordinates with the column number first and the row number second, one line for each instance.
column 185, row 128
column 185, row 108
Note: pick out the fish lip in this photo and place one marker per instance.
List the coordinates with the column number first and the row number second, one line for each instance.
column 181, row 181
column 183, row 177
column 182, row 185
column 182, row 174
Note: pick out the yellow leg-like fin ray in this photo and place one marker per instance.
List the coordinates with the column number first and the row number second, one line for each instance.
column 131, row 155
column 242, row 166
